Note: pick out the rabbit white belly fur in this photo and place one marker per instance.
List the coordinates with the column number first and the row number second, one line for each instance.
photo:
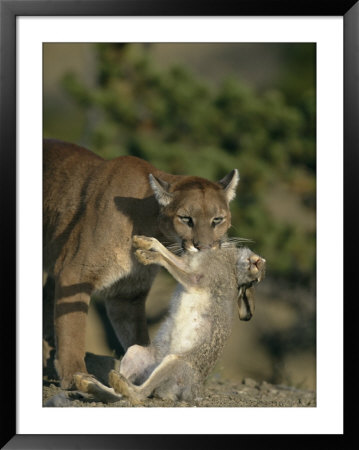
column 189, row 322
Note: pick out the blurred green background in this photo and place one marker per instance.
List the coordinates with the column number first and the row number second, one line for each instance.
column 204, row 109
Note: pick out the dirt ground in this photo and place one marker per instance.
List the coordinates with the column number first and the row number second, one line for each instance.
column 218, row 392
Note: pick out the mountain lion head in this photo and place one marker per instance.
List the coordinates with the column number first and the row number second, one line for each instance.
column 194, row 212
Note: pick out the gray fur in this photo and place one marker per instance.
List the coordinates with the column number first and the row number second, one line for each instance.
column 211, row 281
column 199, row 323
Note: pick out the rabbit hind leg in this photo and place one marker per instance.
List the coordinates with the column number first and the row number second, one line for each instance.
column 167, row 381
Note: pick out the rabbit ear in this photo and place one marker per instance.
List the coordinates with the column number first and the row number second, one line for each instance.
column 245, row 303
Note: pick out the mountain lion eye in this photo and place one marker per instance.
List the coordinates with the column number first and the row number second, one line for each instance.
column 217, row 220
column 187, row 220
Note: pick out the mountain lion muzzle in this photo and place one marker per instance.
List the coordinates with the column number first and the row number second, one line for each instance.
column 91, row 210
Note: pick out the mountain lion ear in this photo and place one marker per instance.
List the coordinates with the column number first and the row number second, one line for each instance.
column 229, row 184
column 160, row 189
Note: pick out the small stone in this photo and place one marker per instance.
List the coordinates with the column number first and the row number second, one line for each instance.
column 265, row 386
column 59, row 400
column 249, row 382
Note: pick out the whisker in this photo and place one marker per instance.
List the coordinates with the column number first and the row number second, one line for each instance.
column 174, row 247
column 239, row 239
column 235, row 241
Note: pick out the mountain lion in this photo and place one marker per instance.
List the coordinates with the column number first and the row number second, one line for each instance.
column 91, row 210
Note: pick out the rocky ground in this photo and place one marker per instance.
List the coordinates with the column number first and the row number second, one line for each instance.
column 218, row 392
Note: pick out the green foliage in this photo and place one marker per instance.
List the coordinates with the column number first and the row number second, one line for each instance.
column 181, row 125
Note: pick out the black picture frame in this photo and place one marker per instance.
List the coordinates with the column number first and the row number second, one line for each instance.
column 9, row 10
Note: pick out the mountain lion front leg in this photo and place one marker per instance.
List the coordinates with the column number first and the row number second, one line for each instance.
column 48, row 336
column 90, row 385
column 128, row 318
column 71, row 308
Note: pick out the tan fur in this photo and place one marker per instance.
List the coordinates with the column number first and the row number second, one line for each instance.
column 92, row 208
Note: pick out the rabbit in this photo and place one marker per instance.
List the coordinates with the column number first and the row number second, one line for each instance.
column 190, row 340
